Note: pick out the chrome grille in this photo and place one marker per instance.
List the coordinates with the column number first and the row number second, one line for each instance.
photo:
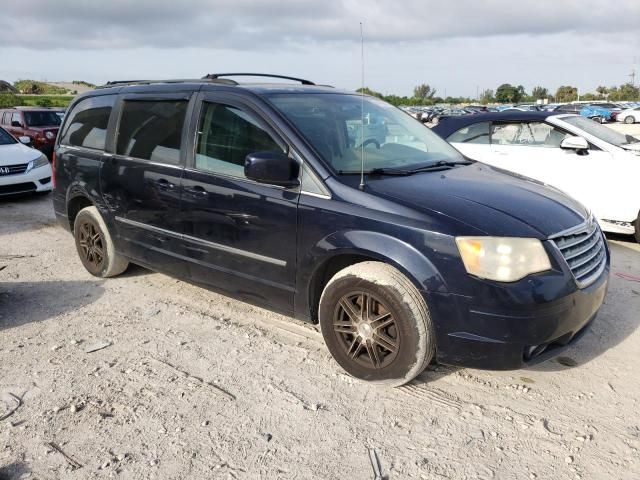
column 13, row 169
column 584, row 250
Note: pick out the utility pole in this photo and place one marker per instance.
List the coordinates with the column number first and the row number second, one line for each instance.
column 632, row 76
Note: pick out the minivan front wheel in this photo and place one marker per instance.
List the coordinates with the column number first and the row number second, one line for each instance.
column 94, row 245
column 376, row 324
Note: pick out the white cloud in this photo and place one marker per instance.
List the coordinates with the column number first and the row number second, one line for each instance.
column 256, row 24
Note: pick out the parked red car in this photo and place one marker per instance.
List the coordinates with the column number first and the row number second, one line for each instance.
column 38, row 123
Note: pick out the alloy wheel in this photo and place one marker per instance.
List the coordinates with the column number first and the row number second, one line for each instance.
column 366, row 329
column 92, row 244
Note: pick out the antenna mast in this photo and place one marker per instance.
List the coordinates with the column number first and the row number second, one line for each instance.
column 362, row 110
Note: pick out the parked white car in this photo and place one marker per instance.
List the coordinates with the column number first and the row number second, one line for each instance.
column 593, row 163
column 630, row 115
column 22, row 169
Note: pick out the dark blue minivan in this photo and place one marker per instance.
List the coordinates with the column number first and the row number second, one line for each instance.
column 335, row 208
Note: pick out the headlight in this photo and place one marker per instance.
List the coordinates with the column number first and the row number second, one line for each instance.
column 41, row 161
column 502, row 259
column 49, row 135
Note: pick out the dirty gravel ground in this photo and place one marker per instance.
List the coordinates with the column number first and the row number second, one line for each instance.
column 195, row 385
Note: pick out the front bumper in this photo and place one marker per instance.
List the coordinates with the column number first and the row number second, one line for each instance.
column 511, row 336
column 35, row 180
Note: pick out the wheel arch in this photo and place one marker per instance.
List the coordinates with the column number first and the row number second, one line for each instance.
column 77, row 199
column 343, row 249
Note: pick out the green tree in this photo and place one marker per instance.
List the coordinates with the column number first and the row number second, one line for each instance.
column 507, row 93
column 566, row 93
column 627, row 91
column 368, row 91
column 424, row 91
column 8, row 100
column 539, row 93
column 602, row 91
column 486, row 96
column 44, row 102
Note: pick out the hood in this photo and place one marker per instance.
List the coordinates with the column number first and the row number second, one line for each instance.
column 491, row 200
column 51, row 128
column 16, row 153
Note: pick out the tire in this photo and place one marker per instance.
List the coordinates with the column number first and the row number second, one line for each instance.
column 629, row 119
column 400, row 340
column 95, row 246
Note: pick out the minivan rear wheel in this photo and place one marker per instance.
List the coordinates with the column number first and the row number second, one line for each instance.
column 94, row 245
column 376, row 324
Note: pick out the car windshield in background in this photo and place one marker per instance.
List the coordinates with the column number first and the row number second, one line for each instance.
column 5, row 138
column 390, row 139
column 603, row 133
column 42, row 119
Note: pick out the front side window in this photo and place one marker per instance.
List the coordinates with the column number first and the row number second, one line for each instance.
column 345, row 128
column 476, row 133
column 528, row 134
column 88, row 121
column 42, row 119
column 6, row 138
column 609, row 135
column 226, row 135
column 152, row 130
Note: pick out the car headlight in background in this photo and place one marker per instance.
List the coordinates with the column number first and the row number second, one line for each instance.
column 41, row 161
column 50, row 135
column 502, row 259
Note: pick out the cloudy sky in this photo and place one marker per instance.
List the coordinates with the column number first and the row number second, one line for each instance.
column 458, row 46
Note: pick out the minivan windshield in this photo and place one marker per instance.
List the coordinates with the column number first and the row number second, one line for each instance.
column 390, row 139
column 607, row 134
column 42, row 119
column 6, row 138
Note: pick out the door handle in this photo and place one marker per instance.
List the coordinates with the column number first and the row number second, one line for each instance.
column 164, row 184
column 196, row 191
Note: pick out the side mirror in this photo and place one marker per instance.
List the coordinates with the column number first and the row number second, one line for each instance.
column 273, row 168
column 16, row 123
column 574, row 143
column 25, row 140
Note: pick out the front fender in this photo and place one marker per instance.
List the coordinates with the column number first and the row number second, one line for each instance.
column 382, row 247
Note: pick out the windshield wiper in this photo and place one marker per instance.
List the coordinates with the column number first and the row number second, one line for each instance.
column 440, row 165
column 376, row 171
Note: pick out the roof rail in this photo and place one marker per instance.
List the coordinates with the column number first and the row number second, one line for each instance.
column 113, row 83
column 216, row 76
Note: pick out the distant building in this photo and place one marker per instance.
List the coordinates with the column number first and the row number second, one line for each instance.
column 6, row 87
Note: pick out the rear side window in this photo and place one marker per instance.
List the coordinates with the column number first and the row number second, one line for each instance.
column 88, row 121
column 152, row 130
column 16, row 118
column 476, row 133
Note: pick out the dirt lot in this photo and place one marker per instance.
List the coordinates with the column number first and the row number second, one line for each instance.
column 193, row 385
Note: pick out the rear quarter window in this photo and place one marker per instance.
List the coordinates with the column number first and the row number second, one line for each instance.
column 87, row 123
